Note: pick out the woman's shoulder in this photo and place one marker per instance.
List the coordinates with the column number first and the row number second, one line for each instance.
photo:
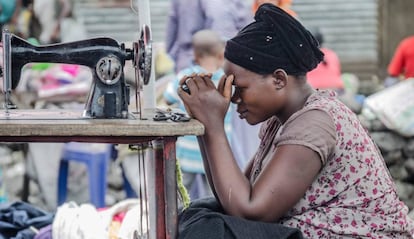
column 328, row 101
column 317, row 107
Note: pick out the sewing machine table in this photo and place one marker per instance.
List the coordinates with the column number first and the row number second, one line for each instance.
column 66, row 126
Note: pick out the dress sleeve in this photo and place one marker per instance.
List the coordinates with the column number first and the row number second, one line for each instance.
column 314, row 129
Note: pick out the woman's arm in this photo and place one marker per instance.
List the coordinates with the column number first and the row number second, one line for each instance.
column 279, row 186
column 248, row 169
column 206, row 166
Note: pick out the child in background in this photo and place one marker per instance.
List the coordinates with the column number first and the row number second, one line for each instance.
column 208, row 50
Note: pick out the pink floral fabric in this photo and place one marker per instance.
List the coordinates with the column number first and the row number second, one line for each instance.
column 354, row 195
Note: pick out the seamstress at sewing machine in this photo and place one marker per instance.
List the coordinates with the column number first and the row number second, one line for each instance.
column 317, row 172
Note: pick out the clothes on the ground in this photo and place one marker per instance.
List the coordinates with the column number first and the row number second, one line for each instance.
column 205, row 219
column 45, row 233
column 327, row 75
column 402, row 62
column 18, row 219
column 354, row 195
column 189, row 16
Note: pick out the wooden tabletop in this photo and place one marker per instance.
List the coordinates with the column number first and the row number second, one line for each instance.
column 68, row 125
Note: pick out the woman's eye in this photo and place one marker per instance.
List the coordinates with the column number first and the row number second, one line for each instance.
column 237, row 90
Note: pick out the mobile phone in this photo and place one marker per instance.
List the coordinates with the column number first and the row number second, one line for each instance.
column 185, row 88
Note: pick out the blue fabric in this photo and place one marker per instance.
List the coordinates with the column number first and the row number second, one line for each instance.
column 17, row 218
column 188, row 152
column 189, row 16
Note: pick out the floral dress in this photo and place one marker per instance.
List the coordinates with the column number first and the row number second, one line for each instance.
column 354, row 195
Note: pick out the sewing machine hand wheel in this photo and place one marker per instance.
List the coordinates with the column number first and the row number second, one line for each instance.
column 143, row 54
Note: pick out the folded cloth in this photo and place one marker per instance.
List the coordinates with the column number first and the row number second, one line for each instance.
column 17, row 219
column 44, row 233
column 205, row 219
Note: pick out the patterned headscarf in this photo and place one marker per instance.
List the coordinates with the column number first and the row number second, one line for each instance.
column 274, row 40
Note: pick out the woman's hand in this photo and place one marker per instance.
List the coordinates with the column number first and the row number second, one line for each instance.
column 205, row 102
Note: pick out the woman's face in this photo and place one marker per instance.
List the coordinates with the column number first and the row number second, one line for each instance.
column 255, row 95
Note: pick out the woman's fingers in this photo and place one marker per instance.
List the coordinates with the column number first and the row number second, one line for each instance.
column 228, row 87
column 188, row 84
column 196, row 82
column 225, row 86
column 207, row 80
column 220, row 86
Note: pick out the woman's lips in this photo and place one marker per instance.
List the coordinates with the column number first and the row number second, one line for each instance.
column 242, row 114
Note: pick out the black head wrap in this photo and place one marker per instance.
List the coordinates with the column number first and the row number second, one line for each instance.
column 274, row 40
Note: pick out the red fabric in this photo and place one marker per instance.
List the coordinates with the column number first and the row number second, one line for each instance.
column 403, row 60
column 327, row 75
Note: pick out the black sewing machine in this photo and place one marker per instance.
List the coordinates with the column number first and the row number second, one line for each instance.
column 109, row 95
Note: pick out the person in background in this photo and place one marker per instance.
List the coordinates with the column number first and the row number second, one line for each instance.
column 58, row 24
column 402, row 63
column 188, row 16
column 17, row 17
column 317, row 172
column 225, row 18
column 208, row 49
column 286, row 5
column 9, row 13
column 327, row 75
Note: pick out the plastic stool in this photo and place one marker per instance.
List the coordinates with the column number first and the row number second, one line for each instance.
column 129, row 191
column 96, row 158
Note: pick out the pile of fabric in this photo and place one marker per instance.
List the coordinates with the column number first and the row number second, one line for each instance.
column 55, row 80
column 121, row 221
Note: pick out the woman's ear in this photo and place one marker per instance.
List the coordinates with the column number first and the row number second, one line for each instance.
column 280, row 78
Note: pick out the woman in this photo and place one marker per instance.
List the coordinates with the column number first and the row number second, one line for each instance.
column 316, row 169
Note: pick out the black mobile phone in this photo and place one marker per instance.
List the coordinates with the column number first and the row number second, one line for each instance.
column 185, row 88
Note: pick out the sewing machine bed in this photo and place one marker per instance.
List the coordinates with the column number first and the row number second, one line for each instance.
column 40, row 115
column 70, row 123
